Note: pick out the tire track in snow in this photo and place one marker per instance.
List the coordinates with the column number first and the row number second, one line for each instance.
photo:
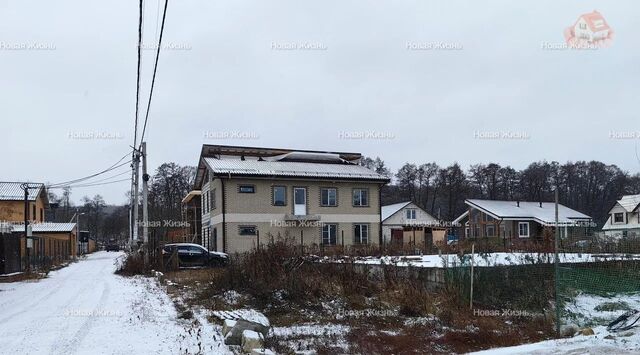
column 62, row 331
column 72, row 346
column 28, row 306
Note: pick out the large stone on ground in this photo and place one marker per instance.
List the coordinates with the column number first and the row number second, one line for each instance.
column 251, row 340
column 587, row 331
column 227, row 326
column 246, row 320
column 568, row 330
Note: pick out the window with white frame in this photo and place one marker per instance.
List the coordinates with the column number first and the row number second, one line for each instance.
column 329, row 197
column 279, row 196
column 411, row 213
column 360, row 197
column 523, row 229
column 491, row 230
column 212, row 199
column 618, row 217
column 329, row 234
column 361, row 234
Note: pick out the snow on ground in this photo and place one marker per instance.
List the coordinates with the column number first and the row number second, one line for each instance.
column 589, row 310
column 492, row 259
column 601, row 343
column 86, row 309
column 305, row 337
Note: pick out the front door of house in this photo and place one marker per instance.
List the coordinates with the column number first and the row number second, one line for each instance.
column 300, row 201
column 397, row 236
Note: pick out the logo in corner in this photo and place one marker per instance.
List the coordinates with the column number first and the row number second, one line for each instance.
column 590, row 30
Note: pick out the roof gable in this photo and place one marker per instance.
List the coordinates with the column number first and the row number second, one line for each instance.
column 629, row 202
column 389, row 210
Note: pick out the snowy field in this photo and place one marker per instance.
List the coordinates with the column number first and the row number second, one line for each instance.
column 86, row 309
column 601, row 343
column 492, row 259
column 589, row 310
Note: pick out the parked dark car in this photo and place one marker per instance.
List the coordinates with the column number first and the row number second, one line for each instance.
column 191, row 255
column 112, row 247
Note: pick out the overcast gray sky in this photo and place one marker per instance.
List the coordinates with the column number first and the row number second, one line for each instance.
column 68, row 70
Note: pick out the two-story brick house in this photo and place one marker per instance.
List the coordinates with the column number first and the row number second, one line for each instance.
column 12, row 202
column 52, row 241
column 250, row 194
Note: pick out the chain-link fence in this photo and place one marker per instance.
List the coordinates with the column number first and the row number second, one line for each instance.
column 598, row 280
column 602, row 283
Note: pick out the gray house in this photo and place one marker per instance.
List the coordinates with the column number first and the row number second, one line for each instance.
column 520, row 220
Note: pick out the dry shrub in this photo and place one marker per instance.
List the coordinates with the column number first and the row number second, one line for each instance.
column 133, row 264
column 279, row 273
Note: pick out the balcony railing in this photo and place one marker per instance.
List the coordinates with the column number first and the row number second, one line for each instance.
column 306, row 217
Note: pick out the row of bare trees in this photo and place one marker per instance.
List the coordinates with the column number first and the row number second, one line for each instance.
column 590, row 187
column 167, row 186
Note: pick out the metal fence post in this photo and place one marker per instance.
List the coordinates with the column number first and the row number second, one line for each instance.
column 473, row 252
column 556, row 266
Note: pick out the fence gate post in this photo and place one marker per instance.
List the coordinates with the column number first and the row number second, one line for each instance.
column 473, row 251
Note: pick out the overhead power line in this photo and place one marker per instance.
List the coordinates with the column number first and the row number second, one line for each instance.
column 135, row 128
column 88, row 185
column 110, row 168
column 155, row 69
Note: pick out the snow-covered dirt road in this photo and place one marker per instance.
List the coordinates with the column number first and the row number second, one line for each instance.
column 86, row 309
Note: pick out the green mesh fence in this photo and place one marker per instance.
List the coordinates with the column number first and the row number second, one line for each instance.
column 602, row 288
column 597, row 281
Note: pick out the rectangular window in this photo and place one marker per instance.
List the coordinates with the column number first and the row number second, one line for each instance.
column 246, row 189
column 329, row 197
column 491, row 230
column 213, row 199
column 618, row 217
column 523, row 229
column 247, row 230
column 361, row 234
column 411, row 213
column 329, row 234
column 361, row 197
column 279, row 196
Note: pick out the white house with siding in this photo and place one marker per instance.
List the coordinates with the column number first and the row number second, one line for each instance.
column 624, row 218
column 406, row 223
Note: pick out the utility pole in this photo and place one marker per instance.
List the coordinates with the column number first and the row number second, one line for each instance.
column 25, row 186
column 145, row 209
column 557, row 266
column 136, row 177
